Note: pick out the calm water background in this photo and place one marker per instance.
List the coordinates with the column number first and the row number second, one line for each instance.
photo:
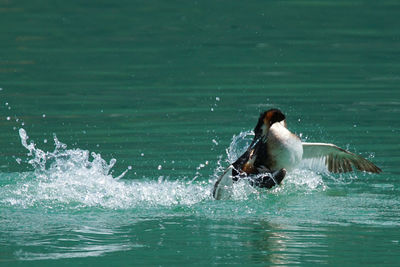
column 162, row 87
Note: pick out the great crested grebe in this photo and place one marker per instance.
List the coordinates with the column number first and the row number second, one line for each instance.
column 275, row 150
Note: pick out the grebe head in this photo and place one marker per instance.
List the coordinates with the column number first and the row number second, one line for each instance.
column 266, row 120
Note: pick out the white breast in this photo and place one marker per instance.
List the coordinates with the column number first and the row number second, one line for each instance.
column 285, row 148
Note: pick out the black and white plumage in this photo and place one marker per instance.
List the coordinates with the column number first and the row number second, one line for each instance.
column 275, row 150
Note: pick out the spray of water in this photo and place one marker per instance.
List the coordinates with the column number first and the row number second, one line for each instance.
column 76, row 178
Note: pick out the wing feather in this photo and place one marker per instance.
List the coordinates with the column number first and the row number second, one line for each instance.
column 337, row 159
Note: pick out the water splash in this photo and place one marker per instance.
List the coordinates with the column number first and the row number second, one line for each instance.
column 65, row 160
column 76, row 178
column 239, row 145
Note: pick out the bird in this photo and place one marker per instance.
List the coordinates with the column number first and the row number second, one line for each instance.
column 275, row 150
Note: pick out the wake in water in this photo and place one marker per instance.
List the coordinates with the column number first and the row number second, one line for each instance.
column 76, row 178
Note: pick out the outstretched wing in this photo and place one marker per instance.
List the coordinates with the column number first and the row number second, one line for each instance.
column 336, row 159
column 223, row 186
column 245, row 163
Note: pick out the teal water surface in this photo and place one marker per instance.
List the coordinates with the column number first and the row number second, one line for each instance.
column 117, row 118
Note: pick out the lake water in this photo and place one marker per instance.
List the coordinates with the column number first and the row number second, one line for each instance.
column 171, row 90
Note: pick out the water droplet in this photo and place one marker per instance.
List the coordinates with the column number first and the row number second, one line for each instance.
column 112, row 162
column 8, row 118
column 18, row 160
column 129, row 167
column 142, row 154
column 6, row 103
column 215, row 142
column 159, row 167
column 212, row 109
column 44, row 115
column 217, row 98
